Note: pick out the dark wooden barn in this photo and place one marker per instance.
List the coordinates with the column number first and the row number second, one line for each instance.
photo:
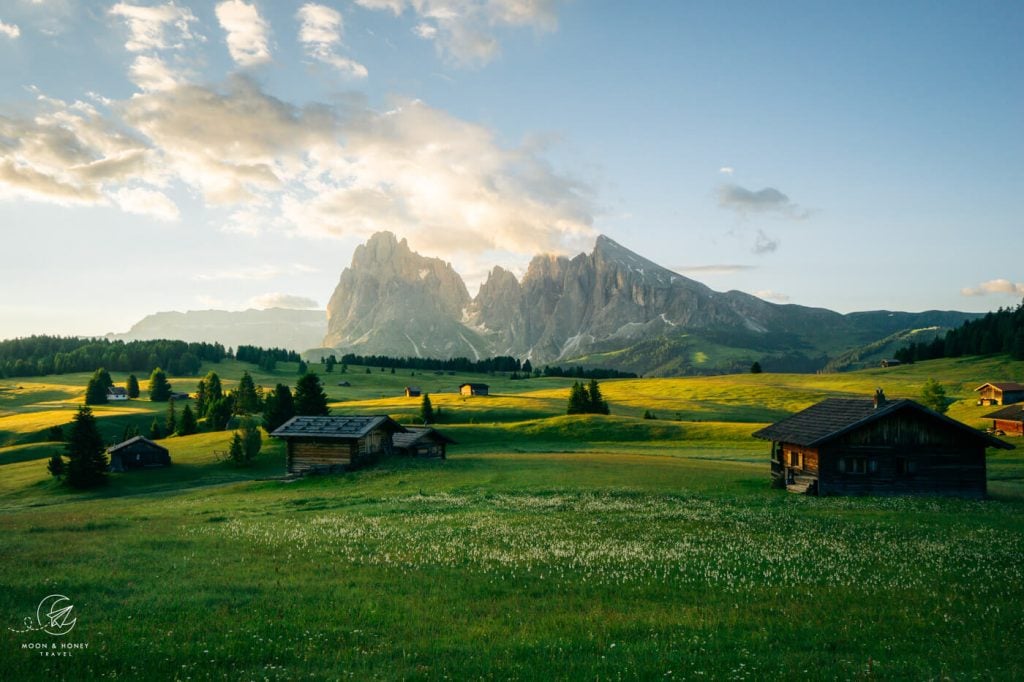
column 880, row 447
column 474, row 389
column 1000, row 393
column 422, row 441
column 412, row 392
column 1009, row 420
column 138, row 453
column 325, row 444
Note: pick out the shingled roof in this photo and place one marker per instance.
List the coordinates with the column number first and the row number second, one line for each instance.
column 132, row 441
column 833, row 417
column 1010, row 412
column 349, row 426
column 1003, row 386
column 414, row 434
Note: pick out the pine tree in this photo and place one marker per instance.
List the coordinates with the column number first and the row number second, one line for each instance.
column 278, row 408
column 208, row 390
column 87, row 459
column 96, row 390
column 155, row 433
column 310, row 398
column 933, row 396
column 426, row 410
column 236, row 451
column 187, row 424
column 755, row 368
column 218, row 413
column 252, row 439
column 159, row 387
column 246, row 400
column 595, row 403
column 56, row 466
column 577, row 399
column 329, row 364
column 303, row 368
column 132, row 386
column 129, row 432
column 171, row 425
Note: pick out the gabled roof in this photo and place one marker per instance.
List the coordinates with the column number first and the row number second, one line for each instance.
column 834, row 417
column 132, row 441
column 415, row 434
column 348, row 426
column 1010, row 412
column 1003, row 386
column 116, row 390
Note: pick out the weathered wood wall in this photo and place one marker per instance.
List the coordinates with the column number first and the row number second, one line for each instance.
column 305, row 455
column 1009, row 426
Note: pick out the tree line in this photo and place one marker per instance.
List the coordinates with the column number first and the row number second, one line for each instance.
column 1001, row 331
column 43, row 355
column 500, row 363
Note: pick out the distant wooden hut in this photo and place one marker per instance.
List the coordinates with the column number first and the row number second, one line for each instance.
column 847, row 446
column 1000, row 393
column 422, row 441
column 474, row 389
column 891, row 363
column 326, row 444
column 138, row 453
column 1009, row 420
column 115, row 393
column 412, row 392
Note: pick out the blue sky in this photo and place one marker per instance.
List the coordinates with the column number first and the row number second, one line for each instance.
column 188, row 155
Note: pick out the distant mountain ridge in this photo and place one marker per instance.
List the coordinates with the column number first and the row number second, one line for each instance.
column 295, row 330
column 610, row 308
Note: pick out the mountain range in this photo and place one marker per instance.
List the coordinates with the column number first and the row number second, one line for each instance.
column 608, row 308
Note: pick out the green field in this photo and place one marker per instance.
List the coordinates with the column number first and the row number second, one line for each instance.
column 545, row 547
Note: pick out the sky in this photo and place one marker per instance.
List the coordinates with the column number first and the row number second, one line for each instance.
column 187, row 155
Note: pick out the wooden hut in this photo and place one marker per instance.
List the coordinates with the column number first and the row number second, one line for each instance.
column 412, row 392
column 847, row 447
column 422, row 441
column 474, row 389
column 1000, row 393
column 115, row 393
column 1008, row 421
column 325, row 444
column 138, row 453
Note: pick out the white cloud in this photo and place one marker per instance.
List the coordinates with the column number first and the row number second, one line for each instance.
column 155, row 28
column 321, row 34
column 146, row 202
column 247, row 32
column 995, row 286
column 152, row 73
column 10, row 30
column 764, row 244
column 726, row 170
column 463, row 30
column 279, row 300
column 769, row 295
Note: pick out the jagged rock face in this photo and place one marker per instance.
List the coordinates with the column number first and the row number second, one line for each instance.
column 392, row 301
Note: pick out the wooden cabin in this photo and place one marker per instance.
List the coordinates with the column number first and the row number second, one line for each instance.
column 327, row 444
column 891, row 363
column 1000, row 393
column 876, row 446
column 474, row 389
column 115, row 393
column 1008, row 421
column 422, row 441
column 412, row 392
column 138, row 453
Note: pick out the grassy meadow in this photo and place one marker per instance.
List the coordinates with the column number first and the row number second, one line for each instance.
column 544, row 547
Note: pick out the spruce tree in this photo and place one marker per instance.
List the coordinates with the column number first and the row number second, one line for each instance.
column 933, row 396
column 426, row 410
column 310, row 398
column 595, row 402
column 187, row 424
column 171, row 425
column 56, row 466
column 159, row 387
column 577, row 399
column 87, row 459
column 218, row 413
column 155, row 433
column 755, row 368
column 236, row 451
column 303, row 368
column 279, row 408
column 132, row 386
column 252, row 439
column 96, row 390
column 246, row 399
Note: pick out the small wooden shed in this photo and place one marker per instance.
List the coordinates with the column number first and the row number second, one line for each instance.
column 412, row 392
column 474, row 389
column 844, row 446
column 1000, row 393
column 1009, row 420
column 138, row 453
column 422, row 441
column 336, row 443
column 117, row 393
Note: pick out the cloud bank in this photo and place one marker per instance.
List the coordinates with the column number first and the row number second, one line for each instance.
column 279, row 300
column 995, row 286
column 320, row 35
column 247, row 32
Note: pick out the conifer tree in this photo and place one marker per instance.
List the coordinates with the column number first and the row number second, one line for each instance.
column 236, row 451
column 171, row 425
column 246, row 399
column 155, row 433
column 252, row 439
column 187, row 424
column 159, row 387
column 310, row 398
column 279, row 407
column 218, row 413
column 426, row 410
column 56, row 466
column 208, row 391
column 596, row 403
column 96, row 390
column 87, row 459
column 132, row 385
column 933, row 396
column 577, row 399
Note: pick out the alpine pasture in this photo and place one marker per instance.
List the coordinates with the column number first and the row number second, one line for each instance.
column 546, row 546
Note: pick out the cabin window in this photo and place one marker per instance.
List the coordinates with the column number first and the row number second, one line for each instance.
column 857, row 465
column 796, row 459
column 905, row 467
